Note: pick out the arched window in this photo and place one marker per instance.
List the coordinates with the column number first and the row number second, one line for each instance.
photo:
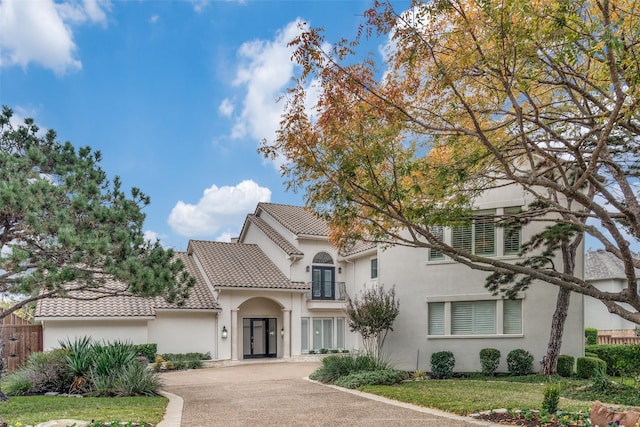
column 322, row 258
column 323, row 277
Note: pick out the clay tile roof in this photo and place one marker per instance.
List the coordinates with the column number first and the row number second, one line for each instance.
column 600, row 264
column 297, row 219
column 96, row 303
column 240, row 265
column 276, row 237
column 357, row 248
column 200, row 296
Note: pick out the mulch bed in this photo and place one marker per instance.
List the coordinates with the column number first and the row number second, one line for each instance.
column 518, row 419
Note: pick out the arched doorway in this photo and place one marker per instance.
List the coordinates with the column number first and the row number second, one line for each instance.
column 261, row 320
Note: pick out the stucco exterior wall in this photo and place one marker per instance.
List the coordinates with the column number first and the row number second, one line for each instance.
column 107, row 330
column 184, row 332
column 596, row 314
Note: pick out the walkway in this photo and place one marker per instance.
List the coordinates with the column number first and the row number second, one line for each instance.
column 275, row 394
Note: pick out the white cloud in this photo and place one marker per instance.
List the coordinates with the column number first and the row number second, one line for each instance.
column 199, row 5
column 152, row 236
column 265, row 73
column 219, row 207
column 226, row 107
column 153, row 19
column 226, row 237
column 40, row 32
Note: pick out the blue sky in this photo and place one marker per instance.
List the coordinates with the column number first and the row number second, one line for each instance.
column 176, row 95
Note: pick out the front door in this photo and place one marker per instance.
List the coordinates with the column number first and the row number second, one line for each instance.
column 259, row 337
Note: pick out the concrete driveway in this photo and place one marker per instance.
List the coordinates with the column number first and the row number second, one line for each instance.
column 276, row 394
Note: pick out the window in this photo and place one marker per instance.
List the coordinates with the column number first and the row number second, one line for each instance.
column 512, row 317
column 479, row 237
column 340, row 332
column 322, row 332
column 374, row 268
column 473, row 318
column 483, row 317
column 323, row 283
column 436, row 318
column 512, row 234
column 438, row 232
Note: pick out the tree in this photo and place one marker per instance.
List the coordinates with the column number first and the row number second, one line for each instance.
column 372, row 316
column 65, row 227
column 476, row 95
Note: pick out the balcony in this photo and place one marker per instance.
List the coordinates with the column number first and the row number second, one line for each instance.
column 337, row 302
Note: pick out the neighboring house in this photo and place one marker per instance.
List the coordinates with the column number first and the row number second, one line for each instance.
column 280, row 291
column 603, row 270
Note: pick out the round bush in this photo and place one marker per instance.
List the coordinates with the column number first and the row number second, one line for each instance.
column 520, row 362
column 489, row 360
column 442, row 364
column 565, row 365
column 588, row 367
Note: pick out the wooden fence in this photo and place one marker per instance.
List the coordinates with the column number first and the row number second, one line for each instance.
column 608, row 339
column 21, row 338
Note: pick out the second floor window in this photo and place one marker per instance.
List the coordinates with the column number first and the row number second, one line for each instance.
column 323, row 277
column 374, row 268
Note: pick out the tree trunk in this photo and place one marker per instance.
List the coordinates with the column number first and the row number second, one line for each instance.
column 550, row 360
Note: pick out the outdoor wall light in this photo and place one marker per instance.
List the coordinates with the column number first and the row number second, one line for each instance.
column 339, row 270
column 308, row 268
column 225, row 333
column 282, row 332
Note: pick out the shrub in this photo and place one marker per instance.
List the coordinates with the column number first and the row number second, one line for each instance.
column 324, row 351
column 442, row 363
column 520, row 362
column 588, row 367
column 46, row 372
column 551, row 398
column 489, row 360
column 377, row 377
column 17, row 383
column 565, row 365
column 337, row 366
column 186, row 356
column 146, row 350
column 591, row 336
column 621, row 359
column 136, row 380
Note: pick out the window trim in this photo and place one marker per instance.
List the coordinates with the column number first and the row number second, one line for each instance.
column 447, row 313
column 374, row 268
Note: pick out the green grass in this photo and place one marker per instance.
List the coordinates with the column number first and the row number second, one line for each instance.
column 466, row 396
column 29, row 410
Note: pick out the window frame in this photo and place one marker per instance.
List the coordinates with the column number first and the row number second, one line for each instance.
column 509, row 320
column 374, row 268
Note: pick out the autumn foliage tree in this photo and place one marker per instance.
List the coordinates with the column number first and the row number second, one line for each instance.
column 65, row 227
column 472, row 96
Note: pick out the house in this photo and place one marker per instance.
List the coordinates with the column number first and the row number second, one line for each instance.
column 279, row 291
column 603, row 270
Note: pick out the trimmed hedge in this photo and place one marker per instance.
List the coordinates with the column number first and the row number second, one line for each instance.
column 489, row 360
column 565, row 365
column 589, row 367
column 442, row 363
column 520, row 362
column 591, row 336
column 620, row 359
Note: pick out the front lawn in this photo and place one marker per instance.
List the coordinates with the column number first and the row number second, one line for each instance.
column 30, row 410
column 466, row 396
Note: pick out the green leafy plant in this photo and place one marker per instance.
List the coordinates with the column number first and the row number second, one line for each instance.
column 489, row 360
column 442, row 364
column 591, row 336
column 565, row 365
column 520, row 362
column 588, row 367
column 551, row 398
column 377, row 377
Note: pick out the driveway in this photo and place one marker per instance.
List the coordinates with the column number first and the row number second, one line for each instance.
column 276, row 394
